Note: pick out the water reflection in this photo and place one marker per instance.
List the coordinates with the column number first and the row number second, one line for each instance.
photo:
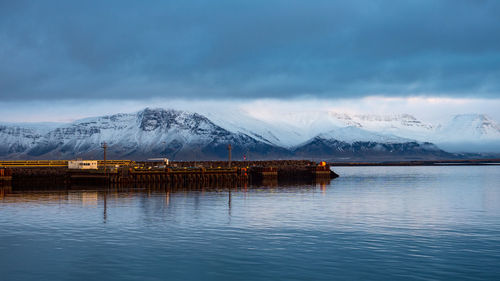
column 370, row 224
column 153, row 200
column 5, row 190
column 229, row 204
column 105, row 209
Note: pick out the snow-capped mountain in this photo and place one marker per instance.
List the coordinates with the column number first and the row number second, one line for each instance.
column 353, row 134
column 354, row 142
column 468, row 127
column 185, row 135
column 469, row 132
column 369, row 150
column 403, row 125
column 463, row 133
column 149, row 133
column 294, row 128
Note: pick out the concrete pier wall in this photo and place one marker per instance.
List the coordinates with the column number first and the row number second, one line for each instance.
column 208, row 173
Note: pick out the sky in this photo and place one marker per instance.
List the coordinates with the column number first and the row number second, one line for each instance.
column 63, row 60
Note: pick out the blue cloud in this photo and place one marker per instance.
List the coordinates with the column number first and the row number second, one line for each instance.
column 248, row 49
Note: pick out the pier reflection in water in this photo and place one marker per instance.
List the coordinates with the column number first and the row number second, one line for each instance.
column 397, row 223
column 99, row 196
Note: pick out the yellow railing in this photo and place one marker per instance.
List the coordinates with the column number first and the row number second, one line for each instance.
column 116, row 162
column 34, row 163
column 58, row 163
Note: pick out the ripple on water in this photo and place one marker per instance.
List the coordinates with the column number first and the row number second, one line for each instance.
column 373, row 223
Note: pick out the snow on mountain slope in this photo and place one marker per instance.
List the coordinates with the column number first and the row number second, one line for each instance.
column 354, row 134
column 15, row 139
column 469, row 133
column 298, row 127
column 293, row 128
column 18, row 137
column 36, row 127
column 148, row 133
column 358, row 144
column 276, row 133
column 470, row 127
column 307, row 124
column 402, row 125
column 328, row 135
column 287, row 129
column 186, row 135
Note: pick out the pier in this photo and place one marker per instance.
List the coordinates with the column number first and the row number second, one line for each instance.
column 43, row 173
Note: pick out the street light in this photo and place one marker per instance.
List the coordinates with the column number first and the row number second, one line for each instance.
column 104, row 146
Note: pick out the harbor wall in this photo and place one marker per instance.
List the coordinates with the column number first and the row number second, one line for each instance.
column 178, row 174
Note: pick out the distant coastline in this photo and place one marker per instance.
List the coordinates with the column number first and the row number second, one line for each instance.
column 468, row 162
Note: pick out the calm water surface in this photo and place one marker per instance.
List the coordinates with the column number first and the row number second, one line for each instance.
column 372, row 223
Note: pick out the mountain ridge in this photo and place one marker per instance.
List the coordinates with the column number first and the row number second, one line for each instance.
column 184, row 135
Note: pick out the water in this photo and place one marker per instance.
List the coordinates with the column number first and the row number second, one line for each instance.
column 372, row 223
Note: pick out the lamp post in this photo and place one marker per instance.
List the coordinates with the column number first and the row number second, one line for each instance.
column 105, row 147
column 229, row 149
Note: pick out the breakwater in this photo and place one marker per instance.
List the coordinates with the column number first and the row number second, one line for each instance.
column 177, row 174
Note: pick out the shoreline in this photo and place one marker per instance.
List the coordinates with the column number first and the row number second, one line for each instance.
column 470, row 162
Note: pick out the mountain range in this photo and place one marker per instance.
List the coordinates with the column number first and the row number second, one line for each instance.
column 183, row 135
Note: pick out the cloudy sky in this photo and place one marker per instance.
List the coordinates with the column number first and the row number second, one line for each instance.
column 68, row 59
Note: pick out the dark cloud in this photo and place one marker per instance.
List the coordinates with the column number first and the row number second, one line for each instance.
column 225, row 49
